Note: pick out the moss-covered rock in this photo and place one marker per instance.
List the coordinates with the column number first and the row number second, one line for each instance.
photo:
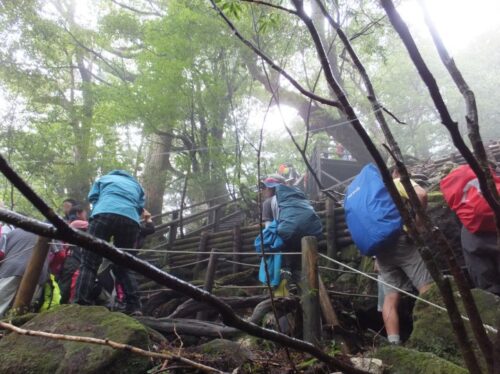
column 28, row 354
column 403, row 361
column 233, row 353
column 432, row 331
column 349, row 253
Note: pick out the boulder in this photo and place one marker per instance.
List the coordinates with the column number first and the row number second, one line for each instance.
column 432, row 331
column 234, row 354
column 30, row 354
column 403, row 360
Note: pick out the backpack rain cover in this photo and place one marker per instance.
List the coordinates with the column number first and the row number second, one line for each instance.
column 371, row 215
column 297, row 217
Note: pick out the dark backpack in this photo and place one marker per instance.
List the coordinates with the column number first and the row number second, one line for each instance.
column 297, row 217
column 371, row 215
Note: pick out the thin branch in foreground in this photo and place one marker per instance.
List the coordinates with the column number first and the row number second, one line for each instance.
column 404, row 33
column 110, row 343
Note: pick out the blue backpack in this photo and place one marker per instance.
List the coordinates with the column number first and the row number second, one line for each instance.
column 371, row 215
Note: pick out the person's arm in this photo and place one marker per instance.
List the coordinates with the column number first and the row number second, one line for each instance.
column 147, row 226
column 267, row 212
column 422, row 195
column 94, row 192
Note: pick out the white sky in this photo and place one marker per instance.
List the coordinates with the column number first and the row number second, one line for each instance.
column 458, row 21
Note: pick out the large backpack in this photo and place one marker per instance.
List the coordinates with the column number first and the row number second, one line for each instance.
column 371, row 215
column 461, row 191
column 297, row 217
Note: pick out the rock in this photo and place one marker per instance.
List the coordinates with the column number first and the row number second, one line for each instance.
column 403, row 360
column 345, row 282
column 233, row 353
column 349, row 253
column 370, row 365
column 28, row 354
column 432, row 330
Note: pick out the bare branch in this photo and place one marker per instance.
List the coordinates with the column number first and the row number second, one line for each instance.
column 271, row 63
column 393, row 116
column 470, row 104
column 110, row 343
column 291, row 11
column 452, row 126
column 138, row 11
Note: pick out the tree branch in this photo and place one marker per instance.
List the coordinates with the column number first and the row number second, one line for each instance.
column 109, row 343
column 291, row 11
column 470, row 104
column 426, row 75
column 271, row 63
column 138, row 11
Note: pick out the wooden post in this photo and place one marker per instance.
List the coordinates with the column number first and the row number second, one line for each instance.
column 209, row 280
column 327, row 310
column 310, row 291
column 237, row 246
column 331, row 239
column 31, row 275
column 217, row 217
column 172, row 235
column 202, row 247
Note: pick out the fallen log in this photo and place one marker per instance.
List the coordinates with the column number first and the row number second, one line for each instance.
column 190, row 307
column 283, row 305
column 192, row 327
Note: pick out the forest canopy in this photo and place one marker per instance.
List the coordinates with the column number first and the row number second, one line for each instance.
column 166, row 91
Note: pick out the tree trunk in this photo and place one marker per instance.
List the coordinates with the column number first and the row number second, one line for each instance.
column 155, row 172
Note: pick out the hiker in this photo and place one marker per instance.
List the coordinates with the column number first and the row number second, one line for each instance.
column 147, row 228
column 67, row 205
column 67, row 276
column 112, row 289
column 482, row 259
column 401, row 264
column 270, row 204
column 18, row 249
column 462, row 192
column 377, row 230
column 117, row 202
column 286, row 212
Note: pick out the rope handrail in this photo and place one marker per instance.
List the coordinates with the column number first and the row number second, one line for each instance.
column 487, row 327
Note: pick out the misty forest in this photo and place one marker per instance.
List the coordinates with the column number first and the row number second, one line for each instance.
column 249, row 186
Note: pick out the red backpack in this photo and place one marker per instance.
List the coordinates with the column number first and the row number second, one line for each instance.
column 461, row 191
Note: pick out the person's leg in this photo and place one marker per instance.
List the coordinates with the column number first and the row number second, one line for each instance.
column 99, row 227
column 292, row 265
column 8, row 289
column 125, row 235
column 389, row 264
column 415, row 268
column 481, row 258
column 391, row 317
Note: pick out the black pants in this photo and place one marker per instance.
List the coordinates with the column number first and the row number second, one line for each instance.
column 482, row 259
column 124, row 232
column 292, row 263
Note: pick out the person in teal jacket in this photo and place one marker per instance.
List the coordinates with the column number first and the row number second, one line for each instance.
column 117, row 203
